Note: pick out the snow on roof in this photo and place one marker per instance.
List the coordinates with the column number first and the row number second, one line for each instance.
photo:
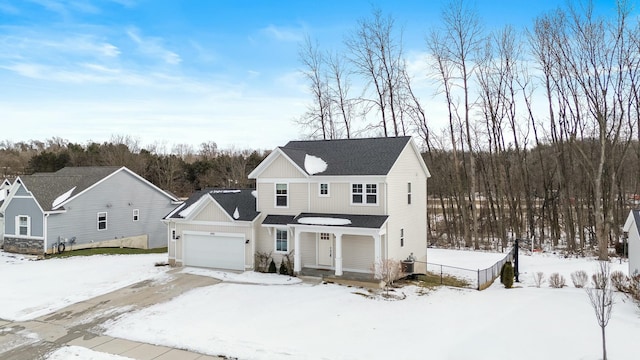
column 62, row 198
column 225, row 191
column 189, row 209
column 314, row 164
column 236, row 214
column 255, row 194
column 323, row 221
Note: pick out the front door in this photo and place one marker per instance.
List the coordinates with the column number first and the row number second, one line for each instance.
column 325, row 250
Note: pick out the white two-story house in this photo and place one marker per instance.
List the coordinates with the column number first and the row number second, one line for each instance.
column 343, row 205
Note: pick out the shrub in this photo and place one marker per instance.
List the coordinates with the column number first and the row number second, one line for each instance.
column 538, row 278
column 579, row 278
column 272, row 267
column 262, row 261
column 597, row 280
column 283, row 268
column 502, row 273
column 557, row 281
column 507, row 275
column 620, row 281
column 634, row 288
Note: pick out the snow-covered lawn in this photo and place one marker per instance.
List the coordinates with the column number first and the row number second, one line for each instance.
column 34, row 288
column 337, row 322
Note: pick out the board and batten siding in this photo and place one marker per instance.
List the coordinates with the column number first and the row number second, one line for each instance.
column 339, row 199
column 24, row 206
column 281, row 168
column 357, row 253
column 118, row 196
column 410, row 217
column 297, row 201
column 212, row 212
column 308, row 249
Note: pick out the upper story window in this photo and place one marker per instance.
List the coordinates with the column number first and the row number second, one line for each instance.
column 282, row 240
column 282, row 195
column 23, row 225
column 136, row 214
column 102, row 221
column 364, row 194
column 401, row 237
column 324, row 189
column 409, row 193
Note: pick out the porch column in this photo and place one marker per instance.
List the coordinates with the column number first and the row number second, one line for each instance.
column 338, row 254
column 377, row 251
column 297, row 257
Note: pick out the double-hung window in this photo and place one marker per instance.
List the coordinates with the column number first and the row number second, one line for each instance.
column 324, row 189
column 282, row 240
column 282, row 195
column 364, row 194
column 102, row 221
column 24, row 225
column 401, row 237
column 136, row 214
column 409, row 193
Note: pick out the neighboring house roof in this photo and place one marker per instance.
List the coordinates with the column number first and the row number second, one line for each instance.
column 371, row 156
column 337, row 220
column 238, row 204
column 634, row 217
column 53, row 190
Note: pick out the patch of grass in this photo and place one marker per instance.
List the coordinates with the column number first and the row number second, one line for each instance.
column 107, row 251
column 432, row 280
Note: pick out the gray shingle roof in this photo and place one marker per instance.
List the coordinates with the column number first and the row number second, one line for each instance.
column 46, row 187
column 636, row 217
column 357, row 221
column 229, row 200
column 371, row 156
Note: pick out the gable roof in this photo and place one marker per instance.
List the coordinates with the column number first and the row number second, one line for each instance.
column 368, row 156
column 229, row 200
column 633, row 218
column 69, row 182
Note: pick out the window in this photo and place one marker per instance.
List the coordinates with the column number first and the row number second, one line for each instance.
column 282, row 195
column 372, row 194
column 401, row 237
column 24, row 225
column 136, row 214
column 102, row 221
column 282, row 240
column 324, row 189
column 364, row 194
column 173, row 234
column 325, row 236
column 409, row 193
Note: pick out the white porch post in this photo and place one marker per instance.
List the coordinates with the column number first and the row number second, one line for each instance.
column 377, row 245
column 338, row 254
column 297, row 257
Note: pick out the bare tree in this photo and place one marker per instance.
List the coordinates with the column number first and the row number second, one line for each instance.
column 601, row 298
column 318, row 116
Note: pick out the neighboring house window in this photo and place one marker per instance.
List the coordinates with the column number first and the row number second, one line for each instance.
column 364, row 194
column 282, row 195
column 24, row 225
column 409, row 193
column 324, row 189
column 401, row 237
column 282, row 240
column 102, row 221
column 136, row 214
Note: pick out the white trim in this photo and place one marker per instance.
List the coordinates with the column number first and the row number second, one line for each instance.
column 328, row 179
column 214, row 223
column 106, row 220
column 320, row 194
column 275, row 195
column 364, row 194
column 211, row 233
column 275, row 240
column 18, row 226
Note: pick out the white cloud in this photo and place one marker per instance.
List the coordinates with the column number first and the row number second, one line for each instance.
column 8, row 8
column 153, row 47
column 283, row 33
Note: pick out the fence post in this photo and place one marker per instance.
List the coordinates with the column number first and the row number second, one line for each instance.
column 478, row 279
column 441, row 282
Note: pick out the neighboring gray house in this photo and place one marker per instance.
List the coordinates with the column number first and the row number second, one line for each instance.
column 338, row 205
column 84, row 207
column 632, row 228
column 4, row 191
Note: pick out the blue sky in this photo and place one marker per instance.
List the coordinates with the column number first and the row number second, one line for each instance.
column 169, row 72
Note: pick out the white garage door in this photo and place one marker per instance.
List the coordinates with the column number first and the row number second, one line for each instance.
column 214, row 251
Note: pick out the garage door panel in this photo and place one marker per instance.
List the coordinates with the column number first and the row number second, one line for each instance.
column 221, row 252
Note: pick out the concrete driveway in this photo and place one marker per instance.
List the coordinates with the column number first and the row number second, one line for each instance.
column 78, row 324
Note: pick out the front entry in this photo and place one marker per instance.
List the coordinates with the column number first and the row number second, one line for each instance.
column 325, row 250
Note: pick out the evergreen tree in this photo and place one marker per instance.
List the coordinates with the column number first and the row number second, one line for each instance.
column 508, row 275
column 272, row 267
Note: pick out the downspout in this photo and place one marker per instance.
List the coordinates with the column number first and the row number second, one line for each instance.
column 45, row 224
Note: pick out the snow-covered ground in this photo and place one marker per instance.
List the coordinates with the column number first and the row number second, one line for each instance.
column 34, row 288
column 79, row 352
column 337, row 322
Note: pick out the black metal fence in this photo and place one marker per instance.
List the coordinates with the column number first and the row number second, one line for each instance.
column 479, row 279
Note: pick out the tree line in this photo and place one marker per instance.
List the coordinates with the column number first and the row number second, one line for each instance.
column 541, row 131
